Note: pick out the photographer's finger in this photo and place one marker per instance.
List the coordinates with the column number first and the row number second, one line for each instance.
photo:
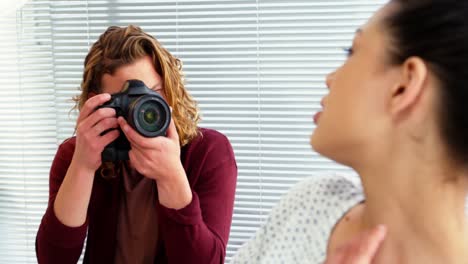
column 105, row 125
column 107, row 138
column 134, row 160
column 133, row 136
column 97, row 116
column 171, row 132
column 91, row 104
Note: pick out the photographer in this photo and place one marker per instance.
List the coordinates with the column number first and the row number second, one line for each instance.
column 170, row 202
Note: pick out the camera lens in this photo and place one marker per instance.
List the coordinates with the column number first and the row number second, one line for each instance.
column 150, row 115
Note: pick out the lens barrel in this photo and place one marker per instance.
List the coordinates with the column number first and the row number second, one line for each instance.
column 149, row 115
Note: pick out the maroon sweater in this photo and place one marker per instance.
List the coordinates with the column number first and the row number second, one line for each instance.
column 197, row 233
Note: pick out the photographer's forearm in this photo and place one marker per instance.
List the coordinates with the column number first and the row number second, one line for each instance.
column 72, row 201
column 175, row 193
column 201, row 229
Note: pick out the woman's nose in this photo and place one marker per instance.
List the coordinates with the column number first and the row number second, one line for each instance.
column 329, row 79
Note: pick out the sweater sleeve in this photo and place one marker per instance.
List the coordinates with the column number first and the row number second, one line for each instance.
column 199, row 232
column 56, row 242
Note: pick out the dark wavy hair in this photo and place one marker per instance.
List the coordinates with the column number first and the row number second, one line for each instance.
column 437, row 32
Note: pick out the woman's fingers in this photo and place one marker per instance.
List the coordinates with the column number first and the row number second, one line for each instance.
column 91, row 125
column 94, row 121
column 104, row 125
column 91, row 104
column 367, row 245
column 110, row 136
column 360, row 250
column 172, row 132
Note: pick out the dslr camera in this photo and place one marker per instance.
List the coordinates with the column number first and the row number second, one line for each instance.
column 145, row 111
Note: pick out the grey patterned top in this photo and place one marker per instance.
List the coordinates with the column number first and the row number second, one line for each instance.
column 298, row 227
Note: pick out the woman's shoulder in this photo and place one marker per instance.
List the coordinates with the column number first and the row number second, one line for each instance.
column 325, row 194
column 211, row 136
column 66, row 149
column 211, row 142
column 210, row 149
column 299, row 226
column 336, row 186
column 62, row 160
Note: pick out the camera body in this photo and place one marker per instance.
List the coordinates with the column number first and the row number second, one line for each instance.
column 144, row 110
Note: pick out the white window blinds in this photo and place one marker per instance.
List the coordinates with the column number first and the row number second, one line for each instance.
column 28, row 138
column 257, row 69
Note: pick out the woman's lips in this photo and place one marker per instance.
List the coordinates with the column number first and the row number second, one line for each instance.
column 317, row 116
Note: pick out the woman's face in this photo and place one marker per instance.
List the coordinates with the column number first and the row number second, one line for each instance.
column 142, row 69
column 354, row 112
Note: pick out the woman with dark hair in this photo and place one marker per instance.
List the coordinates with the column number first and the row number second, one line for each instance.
column 171, row 202
column 397, row 114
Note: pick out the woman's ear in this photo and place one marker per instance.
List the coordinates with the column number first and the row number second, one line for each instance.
column 410, row 87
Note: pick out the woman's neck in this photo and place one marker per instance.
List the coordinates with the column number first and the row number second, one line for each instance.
column 421, row 200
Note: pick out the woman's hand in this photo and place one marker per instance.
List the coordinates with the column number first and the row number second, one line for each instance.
column 158, row 158
column 90, row 125
column 360, row 250
column 72, row 200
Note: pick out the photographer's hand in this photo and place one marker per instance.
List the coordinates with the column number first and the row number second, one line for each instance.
column 91, row 124
column 159, row 159
column 72, row 200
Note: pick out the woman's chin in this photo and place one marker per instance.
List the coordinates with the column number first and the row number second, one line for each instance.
column 315, row 141
column 321, row 144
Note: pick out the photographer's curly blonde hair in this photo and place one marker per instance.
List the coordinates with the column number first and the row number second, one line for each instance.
column 121, row 46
